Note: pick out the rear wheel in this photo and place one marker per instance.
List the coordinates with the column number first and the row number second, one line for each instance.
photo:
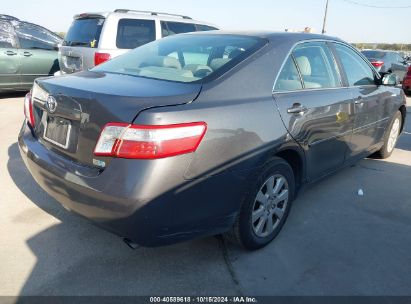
column 391, row 136
column 266, row 207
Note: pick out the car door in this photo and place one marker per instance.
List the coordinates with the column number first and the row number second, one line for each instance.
column 371, row 109
column 37, row 52
column 9, row 59
column 315, row 107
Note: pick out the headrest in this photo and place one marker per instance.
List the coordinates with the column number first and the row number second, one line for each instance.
column 304, row 65
column 162, row 61
column 218, row 63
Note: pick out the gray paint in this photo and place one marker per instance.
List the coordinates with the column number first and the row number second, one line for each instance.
column 163, row 201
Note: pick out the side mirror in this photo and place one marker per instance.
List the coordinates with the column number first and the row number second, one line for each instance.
column 389, row 79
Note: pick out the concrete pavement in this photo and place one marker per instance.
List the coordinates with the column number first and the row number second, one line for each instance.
column 334, row 243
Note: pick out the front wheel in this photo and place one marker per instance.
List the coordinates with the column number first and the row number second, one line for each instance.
column 391, row 136
column 266, row 207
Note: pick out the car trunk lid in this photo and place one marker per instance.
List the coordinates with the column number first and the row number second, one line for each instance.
column 86, row 101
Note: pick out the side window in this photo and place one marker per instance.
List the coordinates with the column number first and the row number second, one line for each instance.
column 288, row 79
column 357, row 70
column 204, row 28
column 132, row 33
column 35, row 37
column 399, row 58
column 316, row 65
column 6, row 35
column 172, row 28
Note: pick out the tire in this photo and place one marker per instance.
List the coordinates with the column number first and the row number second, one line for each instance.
column 391, row 136
column 254, row 235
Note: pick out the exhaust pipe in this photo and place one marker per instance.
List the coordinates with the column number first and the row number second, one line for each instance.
column 130, row 244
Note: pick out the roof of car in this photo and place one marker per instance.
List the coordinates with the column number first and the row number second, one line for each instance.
column 144, row 15
column 270, row 35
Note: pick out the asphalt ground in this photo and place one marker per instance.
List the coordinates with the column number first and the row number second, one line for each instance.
column 335, row 242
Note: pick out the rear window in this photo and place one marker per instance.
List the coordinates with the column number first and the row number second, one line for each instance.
column 84, row 32
column 374, row 54
column 132, row 33
column 172, row 28
column 204, row 28
column 184, row 58
column 32, row 36
column 6, row 35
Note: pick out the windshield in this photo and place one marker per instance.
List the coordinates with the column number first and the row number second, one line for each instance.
column 183, row 58
column 374, row 54
column 84, row 32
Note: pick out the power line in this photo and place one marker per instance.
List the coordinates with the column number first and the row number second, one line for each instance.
column 376, row 6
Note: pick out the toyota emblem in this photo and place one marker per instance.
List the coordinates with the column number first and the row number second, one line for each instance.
column 51, row 104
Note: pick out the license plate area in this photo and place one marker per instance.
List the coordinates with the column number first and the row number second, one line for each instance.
column 57, row 131
column 73, row 63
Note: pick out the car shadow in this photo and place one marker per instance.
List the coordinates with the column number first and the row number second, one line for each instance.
column 75, row 257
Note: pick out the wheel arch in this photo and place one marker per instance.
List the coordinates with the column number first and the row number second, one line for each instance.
column 295, row 157
column 403, row 111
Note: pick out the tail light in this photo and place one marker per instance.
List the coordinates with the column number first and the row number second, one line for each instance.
column 28, row 109
column 149, row 142
column 101, row 57
column 377, row 64
column 409, row 72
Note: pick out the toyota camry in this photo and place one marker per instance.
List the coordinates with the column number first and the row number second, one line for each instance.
column 207, row 133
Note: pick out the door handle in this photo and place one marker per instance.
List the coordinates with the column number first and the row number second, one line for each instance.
column 11, row 53
column 359, row 100
column 27, row 54
column 297, row 108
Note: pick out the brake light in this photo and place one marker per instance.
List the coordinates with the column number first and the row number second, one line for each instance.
column 101, row 57
column 149, row 142
column 377, row 64
column 28, row 109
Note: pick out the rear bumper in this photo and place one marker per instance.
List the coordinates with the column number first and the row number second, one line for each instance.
column 148, row 202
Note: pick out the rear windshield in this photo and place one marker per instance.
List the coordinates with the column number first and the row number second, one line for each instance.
column 374, row 54
column 183, row 58
column 84, row 32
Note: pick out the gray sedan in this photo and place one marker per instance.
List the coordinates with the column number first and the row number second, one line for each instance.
column 207, row 133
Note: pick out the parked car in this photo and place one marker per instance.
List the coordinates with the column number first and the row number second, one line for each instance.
column 161, row 150
column 406, row 83
column 96, row 37
column 27, row 51
column 388, row 62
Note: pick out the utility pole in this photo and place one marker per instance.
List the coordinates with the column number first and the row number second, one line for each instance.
column 325, row 17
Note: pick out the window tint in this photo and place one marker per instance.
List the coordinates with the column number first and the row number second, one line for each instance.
column 132, row 33
column 316, row 65
column 204, row 28
column 289, row 79
column 182, row 58
column 6, row 35
column 374, row 54
column 357, row 70
column 398, row 58
column 35, row 37
column 172, row 28
column 84, row 32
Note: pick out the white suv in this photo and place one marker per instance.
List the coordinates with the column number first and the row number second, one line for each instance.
column 96, row 37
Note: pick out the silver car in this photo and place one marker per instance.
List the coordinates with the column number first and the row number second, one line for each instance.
column 97, row 37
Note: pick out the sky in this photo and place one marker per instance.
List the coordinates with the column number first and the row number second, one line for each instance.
column 346, row 20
